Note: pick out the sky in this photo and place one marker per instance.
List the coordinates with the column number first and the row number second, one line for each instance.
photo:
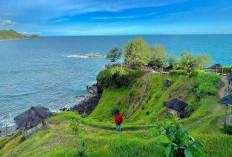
column 116, row 17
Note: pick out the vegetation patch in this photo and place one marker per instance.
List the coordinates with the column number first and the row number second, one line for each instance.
column 177, row 72
column 205, row 85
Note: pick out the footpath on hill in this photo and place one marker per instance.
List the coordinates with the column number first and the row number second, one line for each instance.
column 223, row 91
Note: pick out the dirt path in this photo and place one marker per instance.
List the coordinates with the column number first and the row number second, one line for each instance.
column 223, row 91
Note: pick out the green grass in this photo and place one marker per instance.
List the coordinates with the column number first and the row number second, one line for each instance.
column 203, row 119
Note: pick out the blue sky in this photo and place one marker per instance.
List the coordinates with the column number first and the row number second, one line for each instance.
column 116, row 17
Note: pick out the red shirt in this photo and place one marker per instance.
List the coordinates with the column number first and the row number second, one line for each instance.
column 116, row 119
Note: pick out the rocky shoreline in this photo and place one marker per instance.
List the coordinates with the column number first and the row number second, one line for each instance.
column 90, row 101
column 87, row 105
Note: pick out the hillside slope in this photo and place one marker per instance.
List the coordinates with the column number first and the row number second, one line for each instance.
column 11, row 34
column 4, row 34
column 203, row 118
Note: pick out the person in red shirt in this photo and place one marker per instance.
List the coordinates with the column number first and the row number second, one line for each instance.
column 118, row 121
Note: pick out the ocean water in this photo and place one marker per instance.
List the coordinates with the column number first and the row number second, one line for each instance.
column 38, row 71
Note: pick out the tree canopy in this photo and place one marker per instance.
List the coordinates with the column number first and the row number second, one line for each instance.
column 114, row 54
column 158, row 56
column 138, row 52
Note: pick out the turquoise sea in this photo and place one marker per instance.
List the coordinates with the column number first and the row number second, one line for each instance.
column 38, row 71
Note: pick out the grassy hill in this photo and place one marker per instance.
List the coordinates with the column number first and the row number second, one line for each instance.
column 141, row 102
column 11, row 34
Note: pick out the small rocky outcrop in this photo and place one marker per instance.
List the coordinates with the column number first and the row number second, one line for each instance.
column 90, row 101
column 87, row 105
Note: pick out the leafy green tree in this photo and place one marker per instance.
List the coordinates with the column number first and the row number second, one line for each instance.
column 136, row 52
column 158, row 56
column 203, row 61
column 187, row 61
column 114, row 54
column 175, row 139
column 173, row 61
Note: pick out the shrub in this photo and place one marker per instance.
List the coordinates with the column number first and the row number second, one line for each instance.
column 113, row 77
column 195, row 73
column 176, row 140
column 226, row 70
column 177, row 72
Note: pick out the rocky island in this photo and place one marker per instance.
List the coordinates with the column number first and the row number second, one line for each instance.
column 90, row 55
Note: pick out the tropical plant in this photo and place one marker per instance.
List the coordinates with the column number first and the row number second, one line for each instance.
column 114, row 54
column 175, row 139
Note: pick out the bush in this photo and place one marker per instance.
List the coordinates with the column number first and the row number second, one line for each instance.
column 205, row 85
column 113, row 77
column 176, row 140
column 226, row 70
column 195, row 73
column 227, row 129
column 177, row 72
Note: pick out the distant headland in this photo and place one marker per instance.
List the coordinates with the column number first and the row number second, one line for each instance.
column 11, row 34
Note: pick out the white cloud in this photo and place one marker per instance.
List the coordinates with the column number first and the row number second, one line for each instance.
column 117, row 5
column 6, row 23
column 115, row 17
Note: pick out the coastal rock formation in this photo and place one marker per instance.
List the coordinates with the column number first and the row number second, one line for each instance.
column 90, row 102
column 90, row 55
column 94, row 89
column 87, row 105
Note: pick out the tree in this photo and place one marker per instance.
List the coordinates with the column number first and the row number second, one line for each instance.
column 136, row 52
column 187, row 61
column 203, row 61
column 173, row 61
column 114, row 54
column 158, row 56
